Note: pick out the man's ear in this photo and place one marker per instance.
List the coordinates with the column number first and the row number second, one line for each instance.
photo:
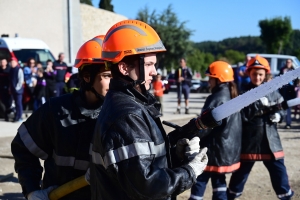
column 123, row 68
column 87, row 78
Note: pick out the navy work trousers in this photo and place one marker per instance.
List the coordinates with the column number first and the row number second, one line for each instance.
column 218, row 182
column 278, row 175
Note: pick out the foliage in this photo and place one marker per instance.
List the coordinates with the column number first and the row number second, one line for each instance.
column 88, row 2
column 232, row 56
column 173, row 33
column 199, row 61
column 275, row 33
column 106, row 5
column 245, row 44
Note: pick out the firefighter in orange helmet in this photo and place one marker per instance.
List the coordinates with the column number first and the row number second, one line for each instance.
column 61, row 130
column 260, row 138
column 224, row 141
column 131, row 153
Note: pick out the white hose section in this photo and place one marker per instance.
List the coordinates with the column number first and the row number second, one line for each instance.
column 293, row 102
column 241, row 101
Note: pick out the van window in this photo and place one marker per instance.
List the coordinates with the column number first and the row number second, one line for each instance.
column 40, row 55
column 280, row 63
column 4, row 53
column 297, row 62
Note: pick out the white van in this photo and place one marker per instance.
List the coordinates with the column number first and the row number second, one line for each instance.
column 25, row 48
column 277, row 61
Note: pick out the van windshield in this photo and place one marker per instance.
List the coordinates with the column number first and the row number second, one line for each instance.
column 40, row 55
column 297, row 62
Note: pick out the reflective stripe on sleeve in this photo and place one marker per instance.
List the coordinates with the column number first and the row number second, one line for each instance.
column 30, row 144
column 70, row 161
column 129, row 151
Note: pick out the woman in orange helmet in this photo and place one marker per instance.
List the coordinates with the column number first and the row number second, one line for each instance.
column 261, row 141
column 61, row 130
column 224, row 141
column 131, row 151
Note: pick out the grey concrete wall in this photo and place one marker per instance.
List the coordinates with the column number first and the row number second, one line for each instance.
column 97, row 21
column 34, row 19
column 48, row 20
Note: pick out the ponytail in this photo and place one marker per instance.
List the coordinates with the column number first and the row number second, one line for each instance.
column 233, row 89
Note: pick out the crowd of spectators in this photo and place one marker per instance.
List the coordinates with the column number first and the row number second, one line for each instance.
column 24, row 89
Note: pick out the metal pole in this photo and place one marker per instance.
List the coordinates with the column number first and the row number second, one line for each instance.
column 70, row 34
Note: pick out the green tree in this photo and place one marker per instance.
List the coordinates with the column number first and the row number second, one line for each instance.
column 199, row 61
column 88, row 2
column 275, row 33
column 232, row 56
column 173, row 33
column 106, row 5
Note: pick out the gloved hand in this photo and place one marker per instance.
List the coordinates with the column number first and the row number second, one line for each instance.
column 180, row 147
column 187, row 148
column 275, row 118
column 206, row 120
column 40, row 194
column 87, row 176
column 193, row 148
column 264, row 101
column 199, row 162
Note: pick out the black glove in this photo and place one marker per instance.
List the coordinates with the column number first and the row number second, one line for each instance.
column 206, row 120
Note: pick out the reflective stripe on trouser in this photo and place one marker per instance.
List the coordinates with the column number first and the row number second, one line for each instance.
column 129, row 151
column 218, row 182
column 278, row 175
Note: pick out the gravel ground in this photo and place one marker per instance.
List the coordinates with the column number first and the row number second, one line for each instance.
column 258, row 186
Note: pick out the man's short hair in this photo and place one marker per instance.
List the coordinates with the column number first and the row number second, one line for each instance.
column 61, row 53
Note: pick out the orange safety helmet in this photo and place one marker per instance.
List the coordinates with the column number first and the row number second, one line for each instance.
column 130, row 37
column 220, row 70
column 90, row 52
column 258, row 62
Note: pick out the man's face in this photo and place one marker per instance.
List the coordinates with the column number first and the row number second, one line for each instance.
column 289, row 63
column 101, row 83
column 182, row 63
column 3, row 63
column 149, row 68
column 13, row 63
column 61, row 57
column 257, row 76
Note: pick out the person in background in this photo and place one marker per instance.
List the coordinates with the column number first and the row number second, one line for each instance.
column 158, row 90
column 50, row 76
column 16, row 78
column 223, row 142
column 260, row 138
column 297, row 90
column 61, row 69
column 5, row 96
column 30, row 82
column 61, row 130
column 237, row 77
column 245, row 79
column 39, row 65
column 183, row 77
column 288, row 91
column 39, row 93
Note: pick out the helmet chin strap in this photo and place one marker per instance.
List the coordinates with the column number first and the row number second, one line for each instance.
column 142, row 74
column 99, row 96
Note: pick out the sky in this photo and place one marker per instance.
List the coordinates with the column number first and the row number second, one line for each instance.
column 216, row 20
